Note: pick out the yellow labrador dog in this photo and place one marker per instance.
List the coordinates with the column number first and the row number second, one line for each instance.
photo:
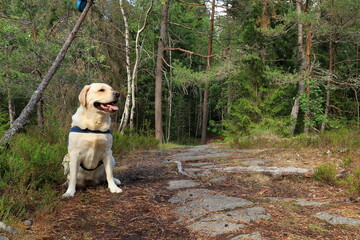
column 89, row 157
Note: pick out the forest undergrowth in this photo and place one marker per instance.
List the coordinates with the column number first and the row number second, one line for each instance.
column 31, row 171
column 32, row 174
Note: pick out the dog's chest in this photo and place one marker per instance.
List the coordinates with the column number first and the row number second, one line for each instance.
column 90, row 143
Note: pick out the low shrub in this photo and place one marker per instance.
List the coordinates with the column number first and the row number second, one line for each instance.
column 326, row 173
column 353, row 181
column 124, row 143
column 29, row 168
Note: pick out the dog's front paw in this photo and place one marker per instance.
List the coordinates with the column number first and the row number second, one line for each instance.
column 115, row 189
column 68, row 194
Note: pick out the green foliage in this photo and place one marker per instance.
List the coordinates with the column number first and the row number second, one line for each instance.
column 244, row 115
column 353, row 181
column 124, row 143
column 29, row 171
column 312, row 104
column 326, row 173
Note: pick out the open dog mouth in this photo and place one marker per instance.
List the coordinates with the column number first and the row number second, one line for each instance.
column 106, row 107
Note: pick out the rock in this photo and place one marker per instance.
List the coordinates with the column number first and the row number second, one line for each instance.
column 3, row 238
column 335, row 219
column 220, row 223
column 253, row 236
column 305, row 203
column 178, row 184
column 28, row 223
column 277, row 171
column 218, row 179
column 8, row 229
column 197, row 202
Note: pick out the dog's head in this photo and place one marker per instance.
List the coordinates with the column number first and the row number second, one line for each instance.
column 99, row 96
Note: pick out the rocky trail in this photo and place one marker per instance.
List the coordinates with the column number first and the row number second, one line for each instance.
column 205, row 192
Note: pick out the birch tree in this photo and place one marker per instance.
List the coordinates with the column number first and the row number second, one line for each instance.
column 129, row 107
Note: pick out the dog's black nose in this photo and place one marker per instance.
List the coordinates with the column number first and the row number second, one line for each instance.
column 116, row 94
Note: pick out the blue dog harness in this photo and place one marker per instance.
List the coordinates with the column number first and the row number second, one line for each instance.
column 79, row 130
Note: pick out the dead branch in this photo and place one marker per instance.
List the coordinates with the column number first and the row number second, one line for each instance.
column 181, row 169
column 189, row 28
column 193, row 53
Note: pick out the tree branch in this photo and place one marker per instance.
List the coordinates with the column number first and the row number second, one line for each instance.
column 193, row 53
column 20, row 122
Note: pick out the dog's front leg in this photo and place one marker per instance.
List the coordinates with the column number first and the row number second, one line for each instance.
column 74, row 168
column 108, row 164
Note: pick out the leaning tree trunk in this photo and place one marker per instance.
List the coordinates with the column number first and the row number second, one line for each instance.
column 158, row 71
column 24, row 116
column 302, row 58
column 208, row 68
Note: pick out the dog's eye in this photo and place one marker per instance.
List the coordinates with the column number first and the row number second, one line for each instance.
column 101, row 90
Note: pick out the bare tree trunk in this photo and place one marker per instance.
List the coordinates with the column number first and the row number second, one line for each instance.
column 208, row 68
column 125, row 116
column 357, row 107
column 11, row 108
column 158, row 71
column 170, row 97
column 264, row 18
column 138, row 47
column 24, row 116
column 328, row 84
column 308, row 60
column 301, row 89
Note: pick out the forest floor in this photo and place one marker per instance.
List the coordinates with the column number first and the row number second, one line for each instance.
column 208, row 192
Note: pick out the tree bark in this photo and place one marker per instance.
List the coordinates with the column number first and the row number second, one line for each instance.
column 158, row 71
column 24, row 116
column 264, row 17
column 303, row 66
column 308, row 59
column 11, row 108
column 208, row 68
column 328, row 84
column 138, row 47
column 125, row 116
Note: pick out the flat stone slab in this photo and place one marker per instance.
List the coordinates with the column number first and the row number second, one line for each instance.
column 306, row 203
column 218, row 179
column 253, row 236
column 335, row 219
column 201, row 164
column 253, row 162
column 267, row 170
column 200, row 156
column 219, row 223
column 199, row 202
column 178, row 184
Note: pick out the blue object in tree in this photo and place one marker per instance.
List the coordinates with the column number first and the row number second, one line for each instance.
column 81, row 4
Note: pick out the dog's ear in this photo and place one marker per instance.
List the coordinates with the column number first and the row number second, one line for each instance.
column 82, row 95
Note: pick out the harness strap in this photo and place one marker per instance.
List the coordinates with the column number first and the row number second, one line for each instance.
column 86, row 169
column 79, row 130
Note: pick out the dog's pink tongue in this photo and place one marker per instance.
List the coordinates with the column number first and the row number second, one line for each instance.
column 113, row 108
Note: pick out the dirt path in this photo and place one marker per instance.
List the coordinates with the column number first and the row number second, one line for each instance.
column 221, row 194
